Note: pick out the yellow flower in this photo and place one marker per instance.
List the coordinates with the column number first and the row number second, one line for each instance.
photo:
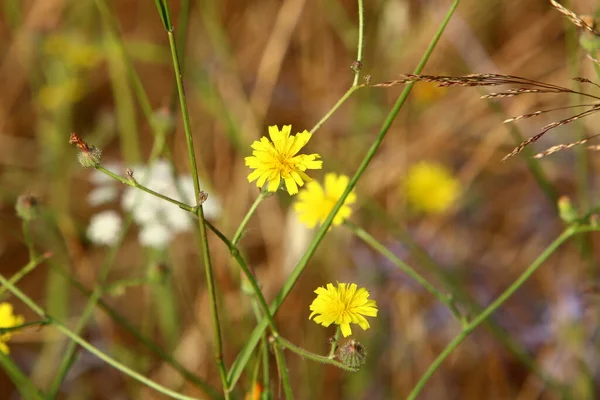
column 342, row 306
column 276, row 159
column 8, row 320
column 315, row 202
column 431, row 187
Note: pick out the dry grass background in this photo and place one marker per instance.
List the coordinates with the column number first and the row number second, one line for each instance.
column 249, row 64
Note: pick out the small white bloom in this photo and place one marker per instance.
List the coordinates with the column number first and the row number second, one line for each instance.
column 155, row 235
column 104, row 228
column 102, row 195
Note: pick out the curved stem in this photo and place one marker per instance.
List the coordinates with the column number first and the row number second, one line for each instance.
column 334, row 343
column 311, row 356
column 150, row 345
column 86, row 345
column 384, row 251
column 31, row 265
column 335, row 107
column 568, row 233
column 240, row 230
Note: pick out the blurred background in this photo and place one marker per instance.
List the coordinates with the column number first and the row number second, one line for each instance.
column 65, row 67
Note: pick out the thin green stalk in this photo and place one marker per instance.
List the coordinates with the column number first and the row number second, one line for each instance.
column 150, row 345
column 459, row 295
column 384, row 251
column 240, row 230
column 244, row 356
column 69, row 354
column 334, row 343
column 135, row 184
column 335, row 107
column 26, row 388
column 311, row 356
column 77, row 339
column 283, row 372
column 361, row 28
column 199, row 211
column 30, row 266
column 479, row 319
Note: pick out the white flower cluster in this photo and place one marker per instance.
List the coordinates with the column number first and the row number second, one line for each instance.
column 159, row 220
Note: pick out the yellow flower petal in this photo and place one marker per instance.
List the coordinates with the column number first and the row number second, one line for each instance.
column 344, row 305
column 276, row 160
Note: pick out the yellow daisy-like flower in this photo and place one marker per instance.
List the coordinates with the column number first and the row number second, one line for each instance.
column 276, row 159
column 431, row 187
column 315, row 202
column 342, row 306
column 8, row 320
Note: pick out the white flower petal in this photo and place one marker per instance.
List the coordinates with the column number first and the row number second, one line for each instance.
column 155, row 235
column 104, row 228
column 102, row 195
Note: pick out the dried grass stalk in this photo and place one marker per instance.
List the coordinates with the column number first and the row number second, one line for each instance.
column 561, row 147
column 574, row 18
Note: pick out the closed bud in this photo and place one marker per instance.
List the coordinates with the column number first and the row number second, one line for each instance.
column 89, row 156
column 352, row 354
column 27, row 207
column 566, row 211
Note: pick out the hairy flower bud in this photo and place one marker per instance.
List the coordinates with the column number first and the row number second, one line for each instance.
column 352, row 354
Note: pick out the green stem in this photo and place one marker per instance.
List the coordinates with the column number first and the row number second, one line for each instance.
column 26, row 388
column 135, row 184
column 334, row 342
column 240, row 230
column 384, row 251
column 361, row 28
column 283, row 372
column 245, row 354
column 69, row 354
column 335, row 107
column 311, row 356
column 568, row 233
column 150, row 345
column 20, row 274
column 77, row 339
column 199, row 210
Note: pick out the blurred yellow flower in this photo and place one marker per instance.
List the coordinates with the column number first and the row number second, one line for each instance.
column 55, row 96
column 342, row 306
column 276, row 159
column 73, row 49
column 431, row 187
column 426, row 93
column 8, row 320
column 316, row 202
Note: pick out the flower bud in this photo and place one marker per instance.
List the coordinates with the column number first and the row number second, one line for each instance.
column 27, row 207
column 566, row 211
column 89, row 156
column 352, row 354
